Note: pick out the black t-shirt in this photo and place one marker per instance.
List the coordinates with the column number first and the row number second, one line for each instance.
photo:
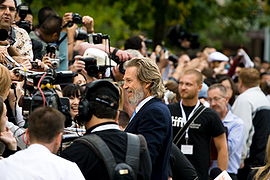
column 200, row 132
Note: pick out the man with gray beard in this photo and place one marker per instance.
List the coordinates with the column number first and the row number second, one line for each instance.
column 151, row 118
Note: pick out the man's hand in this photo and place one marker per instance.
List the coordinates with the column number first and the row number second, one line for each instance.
column 46, row 61
column 123, row 55
column 88, row 23
column 20, row 59
column 118, row 76
column 27, row 64
column 78, row 65
column 67, row 18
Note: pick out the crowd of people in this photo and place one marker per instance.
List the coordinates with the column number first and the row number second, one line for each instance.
column 68, row 99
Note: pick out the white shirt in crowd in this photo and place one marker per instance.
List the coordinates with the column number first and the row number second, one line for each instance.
column 37, row 162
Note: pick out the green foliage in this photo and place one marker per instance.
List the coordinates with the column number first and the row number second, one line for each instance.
column 214, row 21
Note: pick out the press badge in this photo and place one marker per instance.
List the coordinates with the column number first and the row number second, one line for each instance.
column 187, row 149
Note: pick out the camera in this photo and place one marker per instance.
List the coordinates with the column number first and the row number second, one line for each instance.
column 6, row 35
column 95, row 38
column 23, row 10
column 41, row 92
column 54, row 62
column 76, row 18
column 173, row 58
column 3, row 34
column 91, row 66
column 51, row 48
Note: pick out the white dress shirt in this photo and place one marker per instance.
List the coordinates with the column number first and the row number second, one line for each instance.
column 140, row 105
column 38, row 163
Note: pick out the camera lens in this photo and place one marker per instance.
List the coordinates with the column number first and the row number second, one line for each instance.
column 76, row 18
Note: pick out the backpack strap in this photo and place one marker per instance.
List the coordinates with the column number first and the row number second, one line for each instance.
column 101, row 149
column 133, row 152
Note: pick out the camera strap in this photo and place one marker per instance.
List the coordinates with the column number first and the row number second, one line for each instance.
column 61, row 40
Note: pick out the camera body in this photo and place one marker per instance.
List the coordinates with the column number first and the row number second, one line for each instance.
column 94, row 38
column 51, row 48
column 55, row 62
column 23, row 10
column 76, row 19
column 3, row 34
column 91, row 66
column 35, row 65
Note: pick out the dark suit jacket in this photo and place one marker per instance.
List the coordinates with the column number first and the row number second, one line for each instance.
column 153, row 121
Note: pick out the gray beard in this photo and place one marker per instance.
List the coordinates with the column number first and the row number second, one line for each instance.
column 138, row 97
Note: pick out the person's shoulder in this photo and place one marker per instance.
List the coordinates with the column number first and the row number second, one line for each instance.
column 209, row 111
column 76, row 149
column 236, row 119
column 173, row 105
column 62, row 161
column 67, row 167
column 155, row 103
column 20, row 30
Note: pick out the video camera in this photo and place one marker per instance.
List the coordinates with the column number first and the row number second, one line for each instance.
column 23, row 10
column 41, row 91
column 95, row 38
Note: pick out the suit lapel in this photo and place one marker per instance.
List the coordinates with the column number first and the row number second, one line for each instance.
column 138, row 114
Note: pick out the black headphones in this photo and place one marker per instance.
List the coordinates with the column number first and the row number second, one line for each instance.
column 86, row 103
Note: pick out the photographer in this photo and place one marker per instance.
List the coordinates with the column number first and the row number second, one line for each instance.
column 87, row 23
column 19, row 43
column 48, row 32
column 24, row 17
column 137, row 43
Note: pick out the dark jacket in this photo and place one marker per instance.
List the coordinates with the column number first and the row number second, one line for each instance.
column 93, row 167
column 153, row 121
column 180, row 166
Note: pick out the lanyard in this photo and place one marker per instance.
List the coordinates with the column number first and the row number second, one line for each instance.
column 185, row 117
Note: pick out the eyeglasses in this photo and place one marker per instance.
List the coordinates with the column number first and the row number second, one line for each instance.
column 4, row 8
column 214, row 99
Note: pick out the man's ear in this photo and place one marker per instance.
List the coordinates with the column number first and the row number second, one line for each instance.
column 148, row 85
column 59, row 138
column 200, row 87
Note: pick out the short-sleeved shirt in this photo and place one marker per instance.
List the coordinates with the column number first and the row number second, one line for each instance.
column 205, row 127
column 23, row 43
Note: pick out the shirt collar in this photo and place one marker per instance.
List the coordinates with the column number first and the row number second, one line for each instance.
column 100, row 126
column 228, row 117
column 143, row 102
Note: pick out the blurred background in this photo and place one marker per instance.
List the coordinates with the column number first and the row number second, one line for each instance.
column 223, row 24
